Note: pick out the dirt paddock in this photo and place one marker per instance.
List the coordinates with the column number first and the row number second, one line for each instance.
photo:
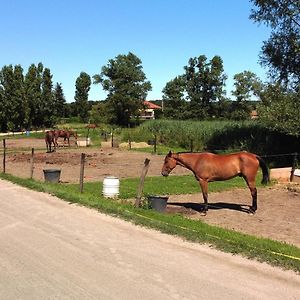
column 277, row 216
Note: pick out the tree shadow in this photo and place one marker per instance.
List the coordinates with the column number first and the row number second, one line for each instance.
column 199, row 207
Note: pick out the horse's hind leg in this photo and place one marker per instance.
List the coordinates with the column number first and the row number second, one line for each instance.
column 253, row 191
column 204, row 189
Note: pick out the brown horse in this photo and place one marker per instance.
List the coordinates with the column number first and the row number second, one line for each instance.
column 91, row 126
column 66, row 134
column 208, row 167
column 50, row 139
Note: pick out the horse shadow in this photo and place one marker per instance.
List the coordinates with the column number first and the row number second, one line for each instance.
column 199, row 207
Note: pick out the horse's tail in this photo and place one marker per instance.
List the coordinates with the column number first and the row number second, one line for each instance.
column 265, row 170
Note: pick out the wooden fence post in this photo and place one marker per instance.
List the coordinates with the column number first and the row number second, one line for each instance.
column 31, row 163
column 293, row 166
column 129, row 142
column 112, row 139
column 4, row 155
column 155, row 142
column 192, row 145
column 141, row 185
column 82, row 161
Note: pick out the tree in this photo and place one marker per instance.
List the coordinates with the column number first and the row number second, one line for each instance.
column 283, row 112
column 83, row 85
column 247, row 85
column 21, row 115
column 125, row 82
column 33, row 94
column 59, row 100
column 196, row 91
column 47, row 107
column 205, row 80
column 8, row 104
column 281, row 53
column 174, row 100
column 13, row 108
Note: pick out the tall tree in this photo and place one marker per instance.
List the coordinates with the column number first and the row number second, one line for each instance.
column 125, row 82
column 13, row 108
column 198, row 91
column 281, row 53
column 174, row 98
column 280, row 107
column 47, row 100
column 8, row 107
column 22, row 114
column 59, row 100
column 205, row 82
column 33, row 94
column 246, row 86
column 83, row 84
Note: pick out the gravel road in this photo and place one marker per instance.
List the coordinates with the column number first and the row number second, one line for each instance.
column 50, row 249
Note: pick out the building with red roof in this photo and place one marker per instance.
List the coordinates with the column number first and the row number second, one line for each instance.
column 148, row 113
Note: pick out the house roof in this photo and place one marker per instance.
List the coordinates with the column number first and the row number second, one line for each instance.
column 151, row 105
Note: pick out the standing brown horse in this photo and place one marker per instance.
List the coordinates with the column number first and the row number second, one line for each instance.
column 66, row 134
column 91, row 126
column 208, row 167
column 50, row 139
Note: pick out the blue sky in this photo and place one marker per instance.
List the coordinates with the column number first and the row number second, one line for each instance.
column 69, row 37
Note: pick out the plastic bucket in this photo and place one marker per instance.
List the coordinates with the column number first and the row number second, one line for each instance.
column 158, row 203
column 52, row 175
column 111, row 185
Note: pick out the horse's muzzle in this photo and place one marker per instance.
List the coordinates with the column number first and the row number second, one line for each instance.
column 164, row 173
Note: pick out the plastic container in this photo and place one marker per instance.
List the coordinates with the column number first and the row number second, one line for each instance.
column 52, row 175
column 158, row 203
column 111, row 186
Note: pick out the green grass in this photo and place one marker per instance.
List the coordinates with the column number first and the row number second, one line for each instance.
column 275, row 253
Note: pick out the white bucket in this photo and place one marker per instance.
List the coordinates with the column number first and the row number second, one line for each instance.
column 111, row 185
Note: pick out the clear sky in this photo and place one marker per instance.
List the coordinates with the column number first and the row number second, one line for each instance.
column 71, row 36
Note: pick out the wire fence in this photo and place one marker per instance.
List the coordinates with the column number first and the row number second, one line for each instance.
column 280, row 160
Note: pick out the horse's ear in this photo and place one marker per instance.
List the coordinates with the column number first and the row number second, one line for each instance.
column 170, row 153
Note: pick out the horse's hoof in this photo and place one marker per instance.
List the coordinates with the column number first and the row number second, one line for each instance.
column 251, row 211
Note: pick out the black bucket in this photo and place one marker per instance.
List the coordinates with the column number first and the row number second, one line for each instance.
column 158, row 203
column 52, row 175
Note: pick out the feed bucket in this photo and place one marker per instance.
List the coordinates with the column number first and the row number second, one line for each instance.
column 111, row 185
column 158, row 203
column 52, row 175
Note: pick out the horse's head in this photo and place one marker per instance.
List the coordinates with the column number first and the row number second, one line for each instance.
column 169, row 164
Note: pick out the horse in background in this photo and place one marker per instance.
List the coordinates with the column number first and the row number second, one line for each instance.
column 65, row 134
column 91, row 126
column 50, row 139
column 208, row 167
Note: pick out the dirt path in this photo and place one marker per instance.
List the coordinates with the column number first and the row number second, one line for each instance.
column 53, row 250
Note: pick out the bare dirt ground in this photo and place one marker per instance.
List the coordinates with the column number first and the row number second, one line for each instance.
column 277, row 216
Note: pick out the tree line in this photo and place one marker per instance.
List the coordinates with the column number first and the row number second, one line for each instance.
column 197, row 94
column 31, row 101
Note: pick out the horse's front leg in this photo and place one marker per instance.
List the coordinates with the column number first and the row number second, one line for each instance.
column 204, row 189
